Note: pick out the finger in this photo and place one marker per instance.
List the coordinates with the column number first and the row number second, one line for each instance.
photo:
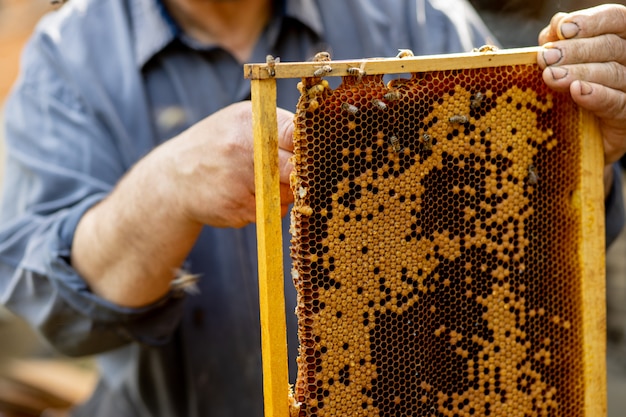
column 285, row 165
column 595, row 21
column 285, row 152
column 604, row 48
column 549, row 33
column 609, row 105
column 606, row 103
column 609, row 74
column 284, row 209
column 238, row 213
column 286, row 194
column 286, row 199
column 285, row 129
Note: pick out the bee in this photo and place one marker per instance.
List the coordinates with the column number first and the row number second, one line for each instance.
column 404, row 53
column 313, row 104
column 533, row 178
column 477, row 100
column 323, row 70
column 458, row 119
column 381, row 105
column 350, row 108
column 321, row 57
column 304, row 210
column 271, row 63
column 395, row 143
column 185, row 281
column 392, row 95
column 486, row 48
column 355, row 71
column 427, row 141
column 315, row 90
column 397, row 82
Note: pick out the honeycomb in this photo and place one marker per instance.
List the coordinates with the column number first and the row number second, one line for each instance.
column 435, row 243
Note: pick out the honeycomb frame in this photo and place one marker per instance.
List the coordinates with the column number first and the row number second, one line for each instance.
column 341, row 374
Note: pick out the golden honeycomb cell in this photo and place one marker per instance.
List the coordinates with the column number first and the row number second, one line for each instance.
column 435, row 246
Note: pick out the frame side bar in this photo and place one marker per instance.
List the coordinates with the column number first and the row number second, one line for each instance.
column 269, row 237
column 592, row 255
column 371, row 66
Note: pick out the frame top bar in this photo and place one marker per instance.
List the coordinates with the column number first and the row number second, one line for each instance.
column 371, row 66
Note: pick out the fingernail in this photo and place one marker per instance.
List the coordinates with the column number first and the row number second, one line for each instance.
column 558, row 73
column 569, row 30
column 552, row 55
column 585, row 88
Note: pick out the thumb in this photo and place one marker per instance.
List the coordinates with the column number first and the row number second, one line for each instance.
column 285, row 129
column 285, row 143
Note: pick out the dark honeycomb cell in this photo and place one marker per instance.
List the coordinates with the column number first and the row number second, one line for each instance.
column 435, row 246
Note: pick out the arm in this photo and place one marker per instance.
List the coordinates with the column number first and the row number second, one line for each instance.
column 61, row 160
column 65, row 166
column 203, row 176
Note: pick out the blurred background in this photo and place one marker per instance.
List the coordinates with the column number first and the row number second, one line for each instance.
column 33, row 378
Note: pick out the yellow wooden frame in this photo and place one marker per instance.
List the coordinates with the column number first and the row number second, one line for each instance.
column 271, row 279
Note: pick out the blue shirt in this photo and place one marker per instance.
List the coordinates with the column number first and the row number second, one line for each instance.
column 103, row 83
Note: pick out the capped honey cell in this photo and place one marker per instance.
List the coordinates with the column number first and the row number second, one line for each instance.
column 436, row 247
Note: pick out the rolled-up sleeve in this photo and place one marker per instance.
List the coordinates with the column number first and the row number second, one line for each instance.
column 62, row 158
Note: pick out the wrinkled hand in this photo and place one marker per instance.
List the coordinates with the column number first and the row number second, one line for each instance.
column 213, row 167
column 585, row 52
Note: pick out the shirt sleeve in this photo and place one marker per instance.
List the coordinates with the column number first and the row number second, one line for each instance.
column 61, row 160
column 444, row 26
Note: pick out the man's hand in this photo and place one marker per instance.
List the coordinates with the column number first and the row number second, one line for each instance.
column 212, row 171
column 129, row 246
column 585, row 53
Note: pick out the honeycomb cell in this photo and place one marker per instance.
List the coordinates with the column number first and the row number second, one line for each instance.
column 435, row 246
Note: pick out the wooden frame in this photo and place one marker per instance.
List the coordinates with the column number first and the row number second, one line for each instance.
column 271, row 282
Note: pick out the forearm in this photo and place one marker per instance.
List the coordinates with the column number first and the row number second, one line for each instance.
column 129, row 246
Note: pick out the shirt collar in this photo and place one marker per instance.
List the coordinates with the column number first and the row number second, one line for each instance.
column 305, row 11
column 154, row 28
column 151, row 30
